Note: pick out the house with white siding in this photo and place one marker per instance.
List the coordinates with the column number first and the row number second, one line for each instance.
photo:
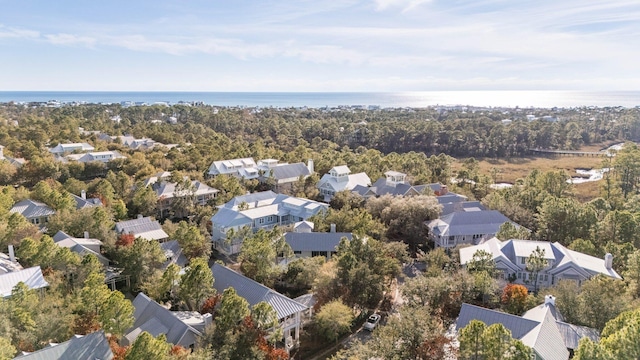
column 262, row 210
column 511, row 257
column 290, row 312
column 339, row 179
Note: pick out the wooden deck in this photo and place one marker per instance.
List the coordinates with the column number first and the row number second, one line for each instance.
column 545, row 152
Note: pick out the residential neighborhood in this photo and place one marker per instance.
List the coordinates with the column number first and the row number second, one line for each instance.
column 113, row 246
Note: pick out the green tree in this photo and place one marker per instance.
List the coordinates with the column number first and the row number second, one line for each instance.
column 140, row 261
column 472, row 345
column 233, row 309
column 265, row 318
column 191, row 240
column 196, row 285
column 334, row 319
column 116, row 314
column 535, row 263
column 482, row 261
column 259, row 254
column 147, row 347
column 7, row 351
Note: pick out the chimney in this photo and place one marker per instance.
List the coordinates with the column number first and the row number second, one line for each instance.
column 608, row 261
column 86, row 234
column 83, row 195
column 140, row 216
column 2, row 153
column 444, row 190
column 550, row 300
column 333, row 228
column 310, row 166
column 12, row 254
column 207, row 319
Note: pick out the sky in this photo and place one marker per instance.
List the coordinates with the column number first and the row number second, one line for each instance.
column 312, row 45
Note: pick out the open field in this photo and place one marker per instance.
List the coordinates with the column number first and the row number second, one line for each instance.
column 515, row 168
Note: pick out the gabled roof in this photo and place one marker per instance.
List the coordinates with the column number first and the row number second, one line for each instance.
column 94, row 346
column 253, row 291
column 32, row 277
column 6, row 265
column 251, row 200
column 173, row 252
column 353, row 180
column 468, row 223
column 145, row 228
column 542, row 336
column 32, row 209
column 62, row 148
column 263, row 204
column 82, row 246
column 230, row 166
column 448, row 208
column 85, row 203
column 288, row 171
column 561, row 258
column 155, row 319
column 315, row 241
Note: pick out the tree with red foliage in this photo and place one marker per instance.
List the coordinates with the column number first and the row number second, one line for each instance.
column 125, row 240
column 514, row 298
column 117, row 350
column 209, row 305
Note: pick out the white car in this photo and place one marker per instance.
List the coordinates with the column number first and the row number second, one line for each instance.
column 372, row 322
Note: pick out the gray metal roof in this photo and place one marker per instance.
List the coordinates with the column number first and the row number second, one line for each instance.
column 174, row 254
column 32, row 209
column 448, row 208
column 86, row 203
column 314, row 241
column 32, row 277
column 145, row 228
column 571, row 334
column 94, row 346
column 518, row 326
column 155, row 319
column 290, row 171
column 253, row 291
column 250, row 198
column 469, row 223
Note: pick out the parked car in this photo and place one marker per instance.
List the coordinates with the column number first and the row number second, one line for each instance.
column 372, row 322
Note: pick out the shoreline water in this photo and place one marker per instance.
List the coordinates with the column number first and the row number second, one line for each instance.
column 416, row 99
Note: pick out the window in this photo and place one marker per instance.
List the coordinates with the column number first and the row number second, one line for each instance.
column 261, row 221
column 523, row 260
column 318, row 253
column 35, row 221
column 519, row 275
column 297, row 252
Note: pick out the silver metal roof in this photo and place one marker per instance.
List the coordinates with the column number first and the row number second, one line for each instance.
column 94, row 346
column 253, row 291
column 315, row 241
column 32, row 277
column 32, row 209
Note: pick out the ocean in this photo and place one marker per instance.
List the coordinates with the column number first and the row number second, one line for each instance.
column 416, row 99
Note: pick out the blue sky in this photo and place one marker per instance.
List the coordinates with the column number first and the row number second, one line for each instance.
column 337, row 45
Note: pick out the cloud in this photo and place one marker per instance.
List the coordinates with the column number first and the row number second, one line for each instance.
column 15, row 33
column 70, row 39
column 404, row 5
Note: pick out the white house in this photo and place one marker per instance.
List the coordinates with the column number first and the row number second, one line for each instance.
column 241, row 168
column 394, row 183
column 168, row 191
column 102, row 156
column 305, row 243
column 36, row 212
column 290, row 312
column 17, row 162
column 541, row 328
column 142, row 227
column 153, row 318
column 262, row 210
column 71, row 147
column 83, row 246
column 470, row 226
column 340, row 178
column 511, row 257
